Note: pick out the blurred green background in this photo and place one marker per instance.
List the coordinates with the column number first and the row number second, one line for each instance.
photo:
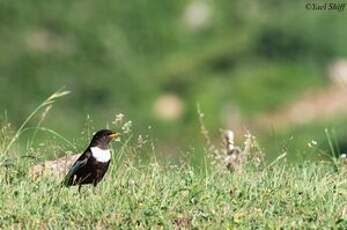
column 242, row 61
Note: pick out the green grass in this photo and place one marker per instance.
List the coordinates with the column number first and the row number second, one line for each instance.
column 143, row 189
column 157, row 195
column 146, row 189
column 121, row 57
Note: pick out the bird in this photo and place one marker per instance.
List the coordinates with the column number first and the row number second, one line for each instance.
column 92, row 165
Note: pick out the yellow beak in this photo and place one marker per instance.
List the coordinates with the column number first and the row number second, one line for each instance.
column 114, row 135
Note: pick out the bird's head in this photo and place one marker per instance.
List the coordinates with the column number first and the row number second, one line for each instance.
column 103, row 137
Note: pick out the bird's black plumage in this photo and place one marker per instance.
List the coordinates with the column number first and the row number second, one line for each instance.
column 88, row 168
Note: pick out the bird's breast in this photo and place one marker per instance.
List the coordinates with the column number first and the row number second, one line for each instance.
column 101, row 155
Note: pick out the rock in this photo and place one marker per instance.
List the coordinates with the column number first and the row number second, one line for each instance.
column 168, row 107
column 46, row 41
column 58, row 167
column 197, row 15
column 338, row 72
column 319, row 105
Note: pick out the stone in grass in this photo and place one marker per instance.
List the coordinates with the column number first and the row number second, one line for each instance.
column 58, row 167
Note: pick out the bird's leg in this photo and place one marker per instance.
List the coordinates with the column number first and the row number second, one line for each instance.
column 80, row 182
column 94, row 186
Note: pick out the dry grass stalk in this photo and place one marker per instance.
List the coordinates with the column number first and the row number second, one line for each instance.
column 211, row 148
column 234, row 156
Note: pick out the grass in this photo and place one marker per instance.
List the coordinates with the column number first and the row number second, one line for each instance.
column 135, row 195
column 165, row 195
column 143, row 190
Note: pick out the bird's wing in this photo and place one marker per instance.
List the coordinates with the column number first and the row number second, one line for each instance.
column 79, row 163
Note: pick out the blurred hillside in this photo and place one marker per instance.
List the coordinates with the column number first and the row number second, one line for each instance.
column 155, row 60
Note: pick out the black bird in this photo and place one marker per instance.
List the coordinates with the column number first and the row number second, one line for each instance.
column 92, row 165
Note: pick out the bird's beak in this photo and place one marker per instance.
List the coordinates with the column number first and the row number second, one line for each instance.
column 114, row 135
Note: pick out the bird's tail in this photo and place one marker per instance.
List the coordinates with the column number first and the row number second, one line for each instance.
column 68, row 181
